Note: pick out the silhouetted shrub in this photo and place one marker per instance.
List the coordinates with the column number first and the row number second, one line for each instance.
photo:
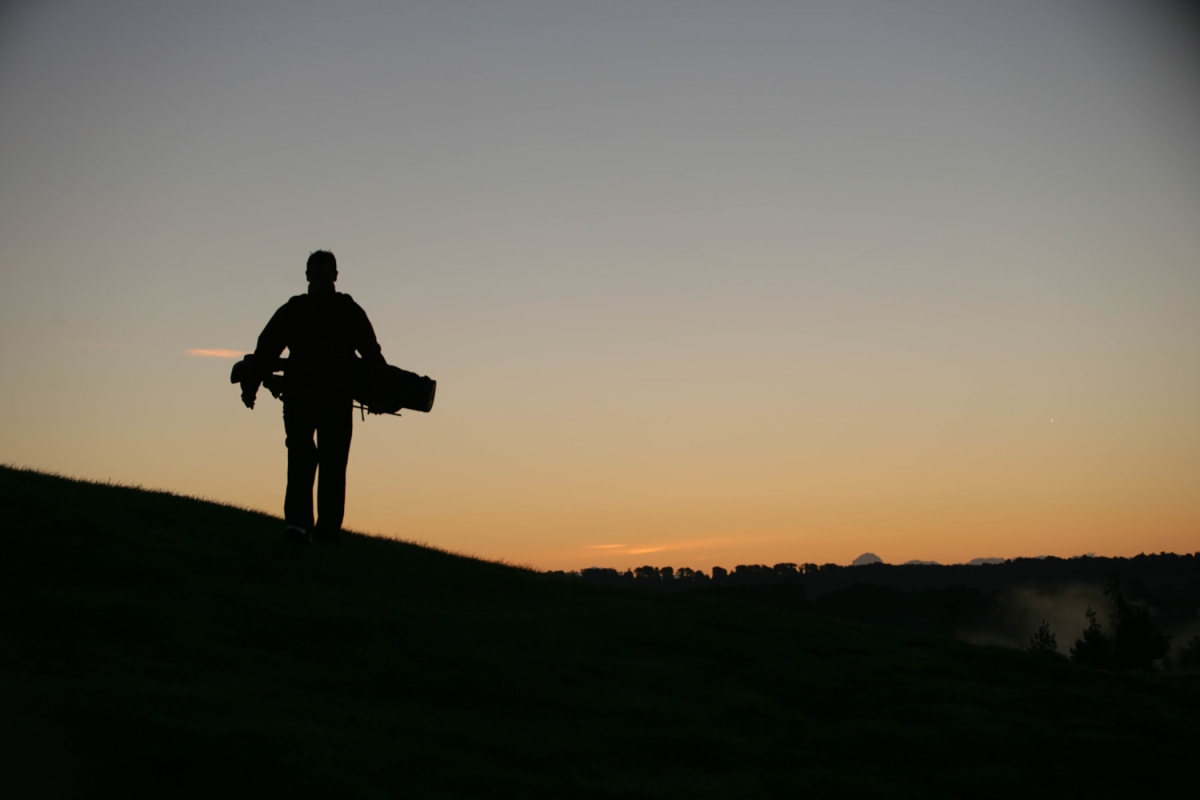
column 1137, row 640
column 601, row 575
column 1094, row 649
column 1043, row 641
column 751, row 575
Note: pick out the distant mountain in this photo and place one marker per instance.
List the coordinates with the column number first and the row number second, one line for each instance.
column 866, row 558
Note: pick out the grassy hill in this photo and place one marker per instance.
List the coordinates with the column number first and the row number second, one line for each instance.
column 159, row 644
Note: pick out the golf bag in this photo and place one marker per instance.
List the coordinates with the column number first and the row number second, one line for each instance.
column 380, row 389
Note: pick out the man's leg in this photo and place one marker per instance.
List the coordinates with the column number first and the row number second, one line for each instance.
column 334, row 429
column 299, row 423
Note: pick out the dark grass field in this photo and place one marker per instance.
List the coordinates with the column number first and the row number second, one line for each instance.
column 155, row 644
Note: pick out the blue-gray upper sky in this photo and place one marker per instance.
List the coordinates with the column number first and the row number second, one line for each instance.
column 818, row 238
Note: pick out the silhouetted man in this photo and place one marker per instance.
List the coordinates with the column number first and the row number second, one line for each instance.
column 321, row 330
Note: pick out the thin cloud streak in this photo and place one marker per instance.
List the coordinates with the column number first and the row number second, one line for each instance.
column 214, row 352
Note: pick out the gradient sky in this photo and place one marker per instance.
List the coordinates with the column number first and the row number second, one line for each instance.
column 701, row 283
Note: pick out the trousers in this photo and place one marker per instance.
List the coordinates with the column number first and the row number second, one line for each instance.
column 332, row 421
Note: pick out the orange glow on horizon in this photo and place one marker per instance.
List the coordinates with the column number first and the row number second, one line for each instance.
column 788, row 286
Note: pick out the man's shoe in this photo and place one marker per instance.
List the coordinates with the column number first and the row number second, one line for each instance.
column 294, row 533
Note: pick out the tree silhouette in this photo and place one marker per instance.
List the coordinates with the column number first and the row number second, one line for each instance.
column 1094, row 649
column 1137, row 640
column 1043, row 641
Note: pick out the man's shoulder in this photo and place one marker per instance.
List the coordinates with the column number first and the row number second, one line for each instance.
column 289, row 308
column 292, row 303
column 306, row 303
column 349, row 301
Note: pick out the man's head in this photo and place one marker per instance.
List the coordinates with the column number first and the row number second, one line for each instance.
column 322, row 267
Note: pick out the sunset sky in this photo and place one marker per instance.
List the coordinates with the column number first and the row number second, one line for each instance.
column 701, row 283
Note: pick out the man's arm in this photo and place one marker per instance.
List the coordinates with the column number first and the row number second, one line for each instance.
column 364, row 338
column 271, row 343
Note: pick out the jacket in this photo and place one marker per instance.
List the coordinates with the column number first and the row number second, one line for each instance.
column 321, row 331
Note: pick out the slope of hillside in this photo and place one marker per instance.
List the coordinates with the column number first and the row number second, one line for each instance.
column 159, row 644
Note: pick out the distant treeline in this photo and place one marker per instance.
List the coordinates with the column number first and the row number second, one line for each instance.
column 1000, row 603
column 1162, row 573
